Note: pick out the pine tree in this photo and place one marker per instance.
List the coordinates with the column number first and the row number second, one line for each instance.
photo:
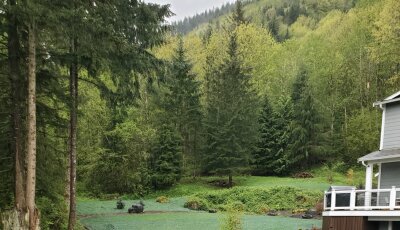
column 166, row 158
column 182, row 105
column 267, row 144
column 304, row 125
column 238, row 15
column 230, row 117
column 273, row 26
column 274, row 130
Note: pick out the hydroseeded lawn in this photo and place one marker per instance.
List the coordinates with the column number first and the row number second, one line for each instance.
column 193, row 221
column 96, row 207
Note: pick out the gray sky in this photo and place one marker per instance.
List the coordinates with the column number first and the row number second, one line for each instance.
column 184, row 8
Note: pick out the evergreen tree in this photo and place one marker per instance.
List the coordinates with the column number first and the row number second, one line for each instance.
column 231, row 116
column 274, row 129
column 267, row 144
column 273, row 26
column 182, row 105
column 304, row 125
column 238, row 15
column 284, row 116
column 166, row 158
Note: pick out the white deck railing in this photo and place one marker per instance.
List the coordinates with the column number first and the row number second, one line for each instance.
column 359, row 200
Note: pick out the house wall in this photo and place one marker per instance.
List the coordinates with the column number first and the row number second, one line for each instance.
column 391, row 135
column 390, row 175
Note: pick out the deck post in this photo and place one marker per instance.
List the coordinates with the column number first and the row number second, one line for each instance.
column 333, row 200
column 353, row 199
column 368, row 184
column 325, row 200
column 392, row 203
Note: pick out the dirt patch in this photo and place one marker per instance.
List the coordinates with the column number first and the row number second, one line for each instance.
column 303, row 175
column 220, row 183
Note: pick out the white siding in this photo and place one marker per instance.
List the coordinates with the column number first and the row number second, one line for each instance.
column 391, row 132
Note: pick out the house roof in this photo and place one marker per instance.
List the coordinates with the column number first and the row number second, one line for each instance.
column 382, row 155
column 393, row 98
column 396, row 95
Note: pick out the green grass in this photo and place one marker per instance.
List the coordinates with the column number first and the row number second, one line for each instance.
column 96, row 207
column 318, row 183
column 193, row 221
column 97, row 214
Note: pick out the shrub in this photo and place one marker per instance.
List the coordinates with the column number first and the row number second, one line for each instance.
column 350, row 176
column 319, row 207
column 260, row 200
column 162, row 199
column 232, row 220
column 53, row 213
column 196, row 203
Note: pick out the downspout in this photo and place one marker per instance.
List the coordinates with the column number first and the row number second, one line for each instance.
column 363, row 163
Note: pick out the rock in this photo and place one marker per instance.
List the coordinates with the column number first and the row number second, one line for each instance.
column 307, row 216
column 272, row 213
column 312, row 212
column 137, row 208
column 120, row 204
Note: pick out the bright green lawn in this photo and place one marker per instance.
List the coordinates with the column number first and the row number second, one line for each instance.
column 193, row 221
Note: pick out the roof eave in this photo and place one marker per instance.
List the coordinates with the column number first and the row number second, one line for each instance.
column 380, row 103
column 393, row 96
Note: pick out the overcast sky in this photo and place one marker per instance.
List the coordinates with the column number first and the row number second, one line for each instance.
column 184, row 8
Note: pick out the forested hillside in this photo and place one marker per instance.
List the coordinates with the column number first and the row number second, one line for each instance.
column 125, row 105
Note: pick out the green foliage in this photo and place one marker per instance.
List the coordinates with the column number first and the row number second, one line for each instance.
column 265, row 157
column 162, row 199
column 230, row 115
column 166, row 158
column 182, row 106
column 233, row 217
column 125, row 171
column 53, row 213
column 196, row 203
column 303, row 137
column 363, row 134
column 257, row 199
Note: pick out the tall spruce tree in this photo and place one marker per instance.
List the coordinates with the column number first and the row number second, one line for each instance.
column 166, row 158
column 230, row 116
column 182, row 105
column 138, row 27
column 303, row 137
column 267, row 148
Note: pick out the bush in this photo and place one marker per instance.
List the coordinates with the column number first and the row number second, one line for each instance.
column 259, row 200
column 162, row 199
column 53, row 213
column 232, row 220
column 196, row 203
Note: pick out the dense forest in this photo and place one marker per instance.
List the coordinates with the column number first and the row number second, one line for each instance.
column 104, row 97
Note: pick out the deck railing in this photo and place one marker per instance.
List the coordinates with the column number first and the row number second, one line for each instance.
column 357, row 200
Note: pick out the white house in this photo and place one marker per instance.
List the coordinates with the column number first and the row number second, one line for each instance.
column 372, row 208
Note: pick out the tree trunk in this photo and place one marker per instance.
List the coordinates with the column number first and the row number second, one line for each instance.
column 31, row 138
column 73, row 84
column 230, row 181
column 16, row 121
column 67, row 177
